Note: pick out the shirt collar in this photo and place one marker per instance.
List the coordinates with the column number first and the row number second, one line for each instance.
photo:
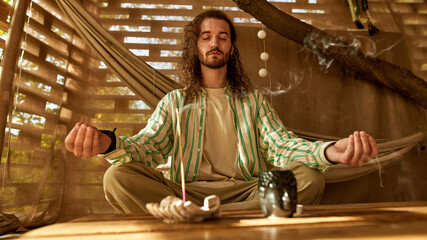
column 226, row 91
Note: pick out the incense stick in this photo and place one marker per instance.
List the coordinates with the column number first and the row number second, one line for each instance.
column 180, row 152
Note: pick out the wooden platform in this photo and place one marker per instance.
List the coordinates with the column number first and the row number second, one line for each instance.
column 399, row 220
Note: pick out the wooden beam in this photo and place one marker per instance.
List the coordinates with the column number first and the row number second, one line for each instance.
column 356, row 63
column 9, row 62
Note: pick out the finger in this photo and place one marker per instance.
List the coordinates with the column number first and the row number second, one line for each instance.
column 78, row 143
column 358, row 149
column 71, row 137
column 87, row 142
column 349, row 151
column 366, row 148
column 374, row 147
column 365, row 143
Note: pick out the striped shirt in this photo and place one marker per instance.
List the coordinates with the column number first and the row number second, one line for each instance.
column 262, row 140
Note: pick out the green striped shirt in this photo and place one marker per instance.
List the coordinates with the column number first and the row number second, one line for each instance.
column 263, row 141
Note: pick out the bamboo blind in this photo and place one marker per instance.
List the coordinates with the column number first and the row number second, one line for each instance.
column 56, row 70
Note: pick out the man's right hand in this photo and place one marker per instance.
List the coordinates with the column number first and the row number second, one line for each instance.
column 86, row 141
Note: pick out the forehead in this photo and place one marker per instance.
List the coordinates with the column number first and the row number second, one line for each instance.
column 214, row 25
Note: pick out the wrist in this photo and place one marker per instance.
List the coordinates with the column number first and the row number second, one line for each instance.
column 327, row 151
column 112, row 137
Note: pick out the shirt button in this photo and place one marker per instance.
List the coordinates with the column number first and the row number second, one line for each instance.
column 200, row 128
column 198, row 149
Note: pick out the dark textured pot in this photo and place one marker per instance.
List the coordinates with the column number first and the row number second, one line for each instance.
column 278, row 193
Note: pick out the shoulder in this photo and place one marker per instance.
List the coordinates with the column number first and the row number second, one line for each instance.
column 254, row 94
column 172, row 95
column 173, row 99
column 175, row 93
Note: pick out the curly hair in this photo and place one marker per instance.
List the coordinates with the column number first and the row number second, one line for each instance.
column 190, row 76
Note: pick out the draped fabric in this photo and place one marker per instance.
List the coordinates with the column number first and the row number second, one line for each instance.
column 147, row 83
column 389, row 151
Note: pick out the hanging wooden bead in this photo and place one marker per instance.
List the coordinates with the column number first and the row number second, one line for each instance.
column 264, row 56
column 263, row 72
column 262, row 34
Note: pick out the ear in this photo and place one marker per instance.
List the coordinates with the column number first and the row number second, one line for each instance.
column 232, row 50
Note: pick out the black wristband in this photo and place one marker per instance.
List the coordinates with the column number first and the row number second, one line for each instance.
column 111, row 134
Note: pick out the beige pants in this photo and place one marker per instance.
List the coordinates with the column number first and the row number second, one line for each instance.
column 129, row 187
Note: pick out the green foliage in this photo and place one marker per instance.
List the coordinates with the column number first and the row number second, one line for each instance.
column 20, row 98
column 28, row 119
column 28, row 65
column 124, row 131
column 16, row 209
column 25, row 174
column 92, row 177
column 101, row 104
column 137, row 104
column 52, row 176
column 45, row 89
column 121, row 118
column 7, row 195
column 59, row 62
column 61, row 33
column 13, row 135
column 114, row 16
column 113, row 91
column 48, row 192
column 90, row 192
column 52, row 108
column 46, row 141
column 91, row 163
column 60, row 79
column 112, row 78
column 3, row 34
column 18, row 156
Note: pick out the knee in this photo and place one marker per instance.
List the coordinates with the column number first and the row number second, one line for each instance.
column 310, row 184
column 112, row 178
column 312, row 181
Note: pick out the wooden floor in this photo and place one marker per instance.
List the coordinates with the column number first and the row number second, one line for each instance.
column 400, row 220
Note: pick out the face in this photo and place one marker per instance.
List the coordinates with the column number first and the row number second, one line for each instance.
column 214, row 43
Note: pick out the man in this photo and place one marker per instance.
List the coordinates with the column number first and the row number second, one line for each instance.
column 229, row 135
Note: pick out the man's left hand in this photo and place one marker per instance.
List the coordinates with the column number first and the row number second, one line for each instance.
column 355, row 150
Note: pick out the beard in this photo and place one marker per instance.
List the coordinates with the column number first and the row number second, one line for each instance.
column 215, row 62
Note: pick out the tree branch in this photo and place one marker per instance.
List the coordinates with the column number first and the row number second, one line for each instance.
column 365, row 67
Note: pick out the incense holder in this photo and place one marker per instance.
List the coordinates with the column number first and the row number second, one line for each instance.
column 173, row 210
column 278, row 193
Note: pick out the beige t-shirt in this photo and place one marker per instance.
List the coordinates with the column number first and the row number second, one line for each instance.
column 218, row 167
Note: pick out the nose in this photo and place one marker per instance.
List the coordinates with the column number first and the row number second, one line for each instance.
column 213, row 43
